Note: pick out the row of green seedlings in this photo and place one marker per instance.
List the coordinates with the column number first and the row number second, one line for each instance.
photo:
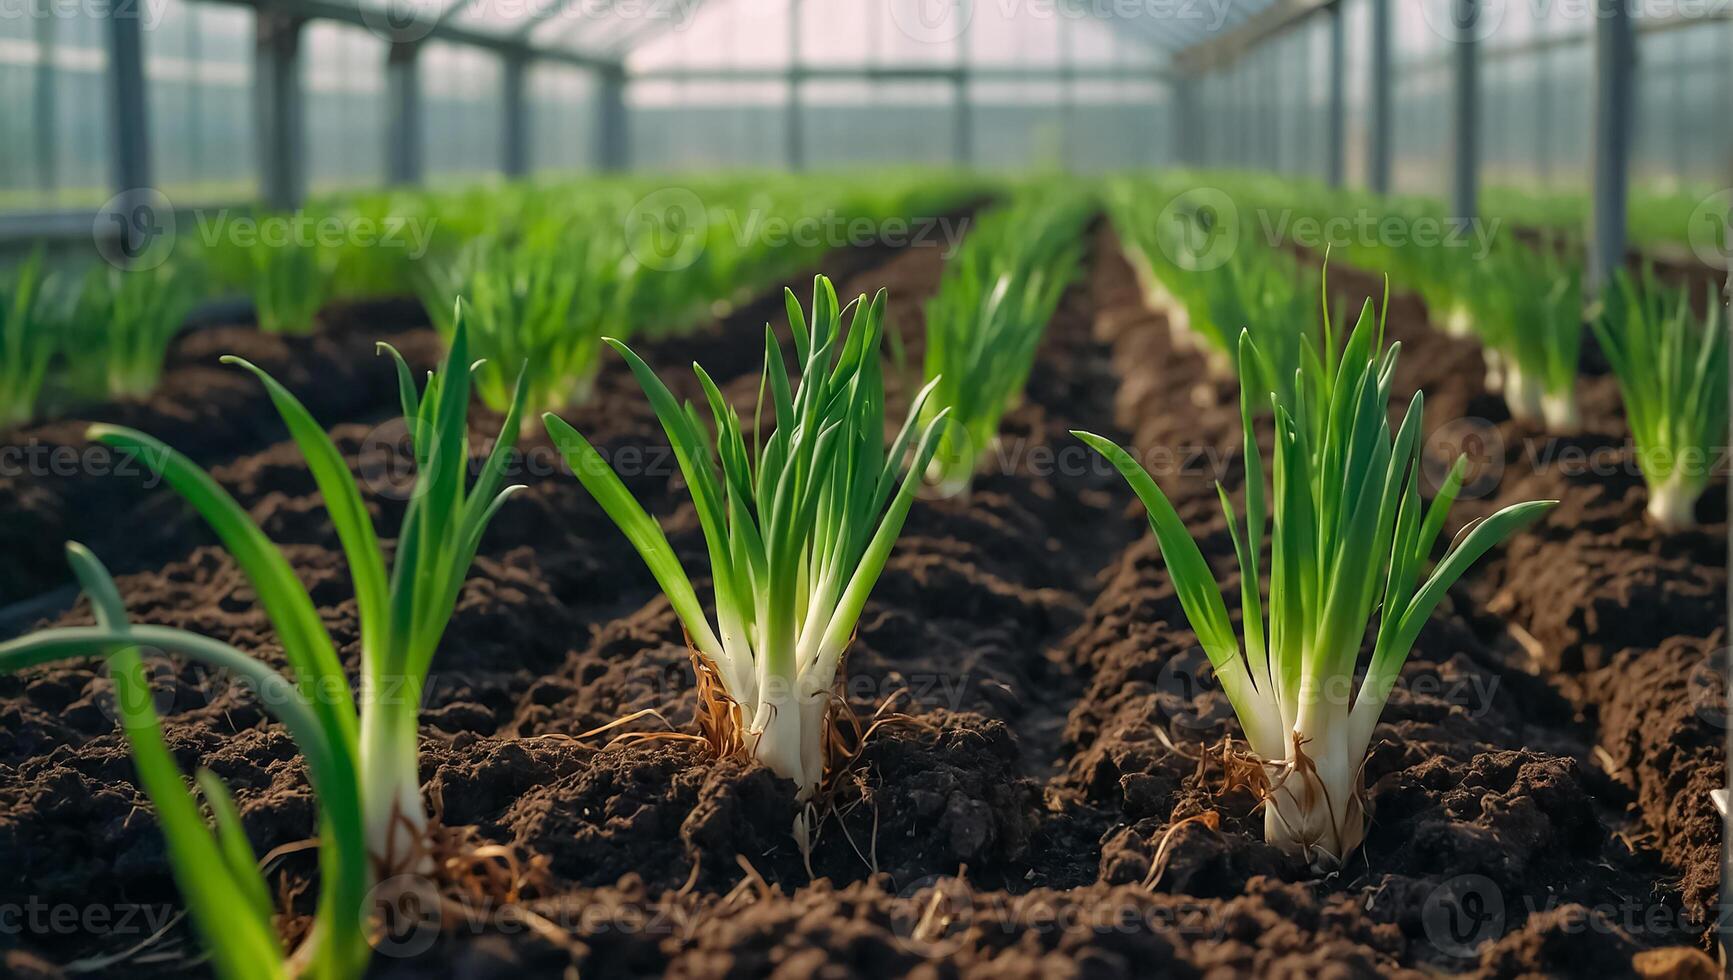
column 102, row 337
column 1210, row 294
column 1667, row 348
column 545, row 292
column 74, row 337
column 985, row 322
column 549, row 269
column 798, row 526
column 1522, row 301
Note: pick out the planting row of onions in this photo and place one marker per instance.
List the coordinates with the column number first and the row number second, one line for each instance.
column 1524, row 302
column 1350, row 538
column 547, row 269
column 987, row 318
column 1211, row 293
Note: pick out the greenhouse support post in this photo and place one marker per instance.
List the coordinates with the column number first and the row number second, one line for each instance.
column 1615, row 57
column 514, row 119
column 1465, row 117
column 1336, row 151
column 613, row 152
column 44, row 105
column 277, row 110
column 1378, row 141
column 127, row 99
column 1183, row 122
column 793, row 141
column 962, row 147
column 403, row 116
column 1725, row 921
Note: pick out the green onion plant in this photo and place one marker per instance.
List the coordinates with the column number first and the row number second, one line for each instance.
column 289, row 282
column 1672, row 371
column 215, row 868
column 986, row 321
column 542, row 299
column 1528, row 310
column 361, row 747
column 27, row 342
column 124, row 320
column 1161, row 245
column 798, row 525
column 1258, row 290
column 1349, row 537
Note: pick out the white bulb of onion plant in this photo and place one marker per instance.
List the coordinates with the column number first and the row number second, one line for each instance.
column 1349, row 538
column 797, row 525
column 1672, row 372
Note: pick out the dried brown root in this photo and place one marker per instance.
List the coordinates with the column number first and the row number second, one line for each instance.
column 1209, row 819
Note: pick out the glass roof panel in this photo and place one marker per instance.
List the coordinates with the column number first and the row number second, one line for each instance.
column 668, row 35
column 722, row 33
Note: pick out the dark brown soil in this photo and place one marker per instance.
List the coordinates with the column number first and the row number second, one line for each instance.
column 1539, row 784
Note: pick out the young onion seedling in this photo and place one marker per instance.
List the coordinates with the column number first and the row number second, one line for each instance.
column 986, row 321
column 402, row 613
column 225, row 892
column 798, row 526
column 1348, row 537
column 26, row 343
column 1530, row 319
column 543, row 299
column 363, row 762
column 1672, row 373
column 289, row 281
column 125, row 319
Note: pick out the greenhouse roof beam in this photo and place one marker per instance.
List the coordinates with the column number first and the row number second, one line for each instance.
column 541, row 17
column 1246, row 31
column 350, row 13
column 621, row 43
column 1163, row 40
column 907, row 73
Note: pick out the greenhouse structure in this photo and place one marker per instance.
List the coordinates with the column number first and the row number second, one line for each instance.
column 948, row 489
